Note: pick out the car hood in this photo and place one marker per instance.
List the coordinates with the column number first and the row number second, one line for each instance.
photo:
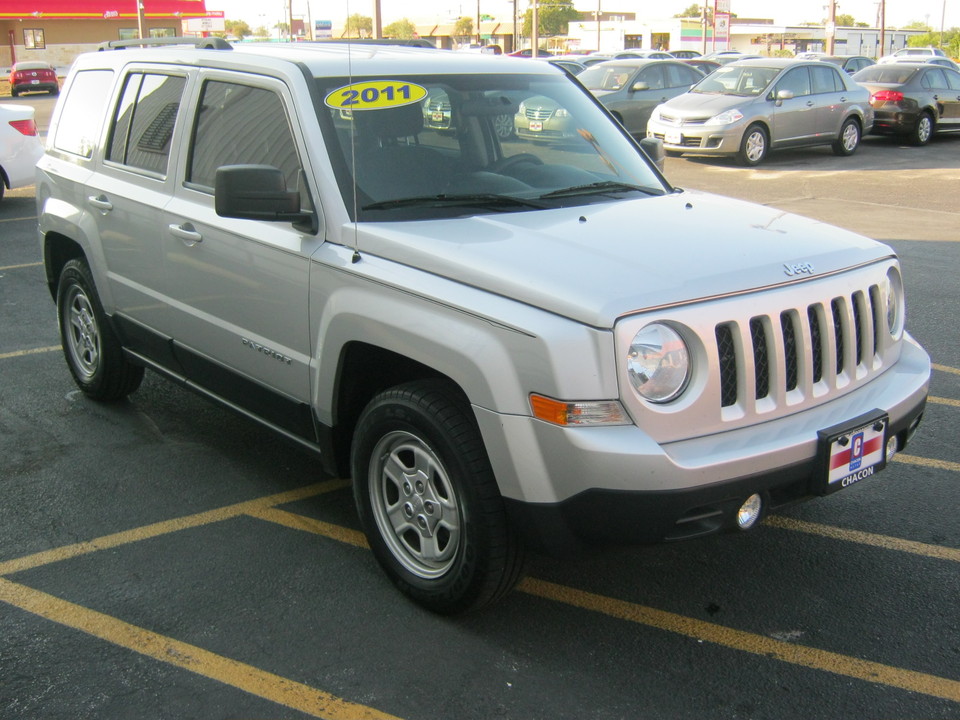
column 706, row 105
column 599, row 262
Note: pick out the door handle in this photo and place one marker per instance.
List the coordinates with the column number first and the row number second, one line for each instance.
column 187, row 233
column 101, row 203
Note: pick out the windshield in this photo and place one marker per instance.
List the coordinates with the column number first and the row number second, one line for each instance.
column 417, row 147
column 739, row 80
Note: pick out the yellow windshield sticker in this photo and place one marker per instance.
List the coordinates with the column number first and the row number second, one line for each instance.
column 375, row 95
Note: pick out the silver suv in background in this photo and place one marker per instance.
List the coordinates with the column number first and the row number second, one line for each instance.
column 487, row 333
column 749, row 107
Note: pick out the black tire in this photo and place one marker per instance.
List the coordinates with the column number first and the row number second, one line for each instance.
column 923, row 130
column 428, row 500
column 14, row 93
column 91, row 348
column 848, row 140
column 753, row 146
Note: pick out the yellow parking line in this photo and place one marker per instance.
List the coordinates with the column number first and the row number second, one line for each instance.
column 310, row 700
column 945, row 368
column 718, row 634
column 32, row 351
column 927, row 462
column 802, row 655
column 17, row 267
column 267, row 685
column 167, row 526
column 937, row 552
column 307, row 524
column 944, row 401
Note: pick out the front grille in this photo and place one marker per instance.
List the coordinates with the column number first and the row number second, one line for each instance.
column 789, row 351
column 538, row 114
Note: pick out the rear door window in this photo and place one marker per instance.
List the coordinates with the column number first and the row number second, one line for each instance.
column 144, row 121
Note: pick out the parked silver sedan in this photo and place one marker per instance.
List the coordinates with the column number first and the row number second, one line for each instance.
column 749, row 107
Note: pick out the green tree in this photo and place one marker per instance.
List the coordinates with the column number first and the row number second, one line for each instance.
column 401, row 29
column 845, row 20
column 359, row 25
column 553, row 18
column 238, row 28
column 696, row 11
column 917, row 25
column 283, row 28
column 951, row 41
column 261, row 32
column 463, row 28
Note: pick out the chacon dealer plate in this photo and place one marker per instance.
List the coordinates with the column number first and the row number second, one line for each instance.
column 853, row 451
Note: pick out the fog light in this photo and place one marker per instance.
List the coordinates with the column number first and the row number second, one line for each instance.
column 749, row 512
column 892, row 447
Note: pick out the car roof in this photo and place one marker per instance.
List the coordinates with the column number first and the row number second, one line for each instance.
column 772, row 62
column 323, row 59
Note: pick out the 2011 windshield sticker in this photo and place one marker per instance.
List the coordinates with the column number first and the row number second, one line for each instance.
column 375, row 95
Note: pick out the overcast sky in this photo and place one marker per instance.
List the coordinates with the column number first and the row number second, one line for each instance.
column 898, row 12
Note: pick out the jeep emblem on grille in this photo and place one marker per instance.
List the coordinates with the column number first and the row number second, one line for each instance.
column 798, row 269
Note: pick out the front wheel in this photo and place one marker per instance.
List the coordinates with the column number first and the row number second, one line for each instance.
column 753, row 146
column 849, row 139
column 503, row 126
column 93, row 353
column 428, row 500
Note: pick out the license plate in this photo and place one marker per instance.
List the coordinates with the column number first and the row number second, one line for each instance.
column 536, row 126
column 437, row 117
column 673, row 137
column 853, row 451
column 34, row 82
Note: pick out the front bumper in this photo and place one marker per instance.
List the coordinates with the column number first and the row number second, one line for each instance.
column 615, row 485
column 700, row 139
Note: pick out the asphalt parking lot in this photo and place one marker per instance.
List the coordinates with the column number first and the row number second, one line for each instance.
column 164, row 558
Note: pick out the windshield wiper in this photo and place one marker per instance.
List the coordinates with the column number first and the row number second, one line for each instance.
column 599, row 188
column 485, row 200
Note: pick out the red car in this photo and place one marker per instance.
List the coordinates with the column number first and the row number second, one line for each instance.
column 33, row 76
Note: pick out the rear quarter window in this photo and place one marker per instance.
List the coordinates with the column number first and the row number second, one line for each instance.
column 80, row 122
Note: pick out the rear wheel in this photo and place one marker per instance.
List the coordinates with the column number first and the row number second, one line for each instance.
column 93, row 353
column 849, row 139
column 753, row 146
column 428, row 500
column 923, row 131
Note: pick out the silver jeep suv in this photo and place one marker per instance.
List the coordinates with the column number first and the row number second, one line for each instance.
column 489, row 333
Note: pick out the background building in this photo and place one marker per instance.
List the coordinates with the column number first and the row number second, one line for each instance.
column 56, row 31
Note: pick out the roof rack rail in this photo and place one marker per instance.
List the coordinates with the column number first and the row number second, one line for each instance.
column 207, row 43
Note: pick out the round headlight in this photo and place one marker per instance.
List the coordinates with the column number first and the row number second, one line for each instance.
column 893, row 301
column 658, row 363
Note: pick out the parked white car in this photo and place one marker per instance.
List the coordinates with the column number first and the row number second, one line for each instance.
column 20, row 146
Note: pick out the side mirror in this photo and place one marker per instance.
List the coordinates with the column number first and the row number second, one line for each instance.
column 653, row 147
column 256, row 192
column 784, row 95
column 639, row 86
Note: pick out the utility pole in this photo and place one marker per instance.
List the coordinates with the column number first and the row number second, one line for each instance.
column 535, row 31
column 703, row 28
column 883, row 29
column 377, row 20
column 831, row 28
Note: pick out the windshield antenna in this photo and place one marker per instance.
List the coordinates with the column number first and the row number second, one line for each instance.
column 353, row 155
